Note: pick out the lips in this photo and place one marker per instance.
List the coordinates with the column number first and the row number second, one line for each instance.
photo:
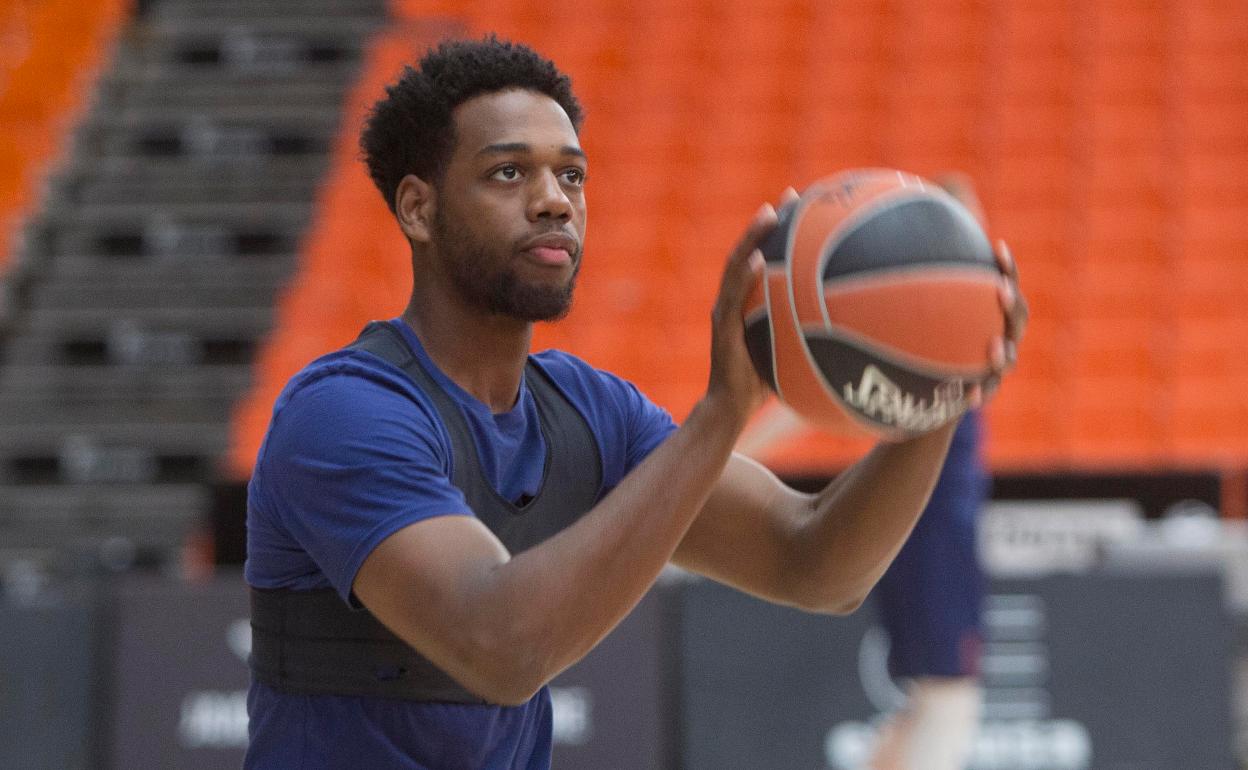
column 554, row 249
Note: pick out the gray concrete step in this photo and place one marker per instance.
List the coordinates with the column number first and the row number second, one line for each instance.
column 118, row 382
column 148, row 439
column 126, row 344
column 84, row 518
column 249, row 321
column 223, row 294
column 35, row 410
column 104, row 270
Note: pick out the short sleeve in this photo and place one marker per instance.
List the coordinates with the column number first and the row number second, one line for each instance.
column 349, row 460
column 647, row 423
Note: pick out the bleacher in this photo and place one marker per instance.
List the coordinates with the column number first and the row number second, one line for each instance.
column 148, row 274
column 1103, row 141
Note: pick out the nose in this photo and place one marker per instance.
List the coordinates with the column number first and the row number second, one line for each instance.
column 548, row 199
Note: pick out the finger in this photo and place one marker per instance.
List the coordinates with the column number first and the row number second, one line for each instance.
column 997, row 355
column 1014, row 307
column 987, row 387
column 764, row 221
column 1005, row 260
column 975, row 396
column 739, row 278
column 789, row 196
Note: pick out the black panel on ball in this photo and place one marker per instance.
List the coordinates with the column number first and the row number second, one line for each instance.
column 758, row 341
column 925, row 231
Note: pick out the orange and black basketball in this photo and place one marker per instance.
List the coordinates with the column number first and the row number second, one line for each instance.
column 879, row 305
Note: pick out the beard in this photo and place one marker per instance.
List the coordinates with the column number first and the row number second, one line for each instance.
column 488, row 280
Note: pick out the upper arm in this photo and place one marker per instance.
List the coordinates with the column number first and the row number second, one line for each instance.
column 743, row 535
column 346, row 464
column 422, row 582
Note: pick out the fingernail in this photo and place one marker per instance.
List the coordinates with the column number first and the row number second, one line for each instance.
column 998, row 352
column 1004, row 251
column 1006, row 292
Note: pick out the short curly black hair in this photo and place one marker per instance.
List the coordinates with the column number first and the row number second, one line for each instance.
column 410, row 131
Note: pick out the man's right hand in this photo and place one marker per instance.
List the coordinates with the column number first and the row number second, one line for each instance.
column 735, row 389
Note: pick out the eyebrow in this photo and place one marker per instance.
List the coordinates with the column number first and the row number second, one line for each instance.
column 567, row 149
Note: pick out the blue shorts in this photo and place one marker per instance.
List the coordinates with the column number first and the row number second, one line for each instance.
column 931, row 598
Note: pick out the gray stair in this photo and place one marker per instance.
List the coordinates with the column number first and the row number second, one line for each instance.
column 78, row 517
column 69, row 384
column 148, row 279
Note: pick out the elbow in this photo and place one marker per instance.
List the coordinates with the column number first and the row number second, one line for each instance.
column 830, row 603
column 845, row 605
column 500, row 685
column 507, row 691
column 498, row 672
column 827, row 597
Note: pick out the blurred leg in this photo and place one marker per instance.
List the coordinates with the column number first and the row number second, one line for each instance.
column 936, row 730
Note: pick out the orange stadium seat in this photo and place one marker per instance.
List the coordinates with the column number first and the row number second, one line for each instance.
column 1135, row 348
column 1116, row 421
column 1210, row 419
column 1109, row 144
column 1203, row 74
column 1215, row 124
column 1211, row 348
column 1028, row 425
column 1125, row 26
column 1025, row 30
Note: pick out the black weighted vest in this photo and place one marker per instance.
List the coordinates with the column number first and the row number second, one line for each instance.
column 311, row 643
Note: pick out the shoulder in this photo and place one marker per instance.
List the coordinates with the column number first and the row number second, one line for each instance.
column 350, row 393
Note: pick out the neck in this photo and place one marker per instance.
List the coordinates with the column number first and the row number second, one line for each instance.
column 483, row 353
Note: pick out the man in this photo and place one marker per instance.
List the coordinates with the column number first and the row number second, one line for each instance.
column 488, row 516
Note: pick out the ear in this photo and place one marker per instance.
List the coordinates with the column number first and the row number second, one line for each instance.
column 413, row 205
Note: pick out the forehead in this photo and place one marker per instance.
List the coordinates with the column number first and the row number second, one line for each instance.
column 514, row 116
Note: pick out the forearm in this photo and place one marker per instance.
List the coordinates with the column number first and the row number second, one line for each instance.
column 852, row 530
column 548, row 606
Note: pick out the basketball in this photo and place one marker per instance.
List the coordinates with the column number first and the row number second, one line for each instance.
column 878, row 306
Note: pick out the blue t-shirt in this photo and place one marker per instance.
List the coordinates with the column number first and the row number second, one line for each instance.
column 354, row 453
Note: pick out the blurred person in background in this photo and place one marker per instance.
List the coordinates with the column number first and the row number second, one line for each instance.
column 931, row 598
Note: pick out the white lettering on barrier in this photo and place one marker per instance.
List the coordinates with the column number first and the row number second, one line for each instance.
column 572, row 714
column 214, row 719
column 1056, row 744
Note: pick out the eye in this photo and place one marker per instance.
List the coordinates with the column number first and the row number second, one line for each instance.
column 574, row 177
column 506, row 173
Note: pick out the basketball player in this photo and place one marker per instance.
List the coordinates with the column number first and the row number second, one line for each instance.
column 440, row 522
column 930, row 598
